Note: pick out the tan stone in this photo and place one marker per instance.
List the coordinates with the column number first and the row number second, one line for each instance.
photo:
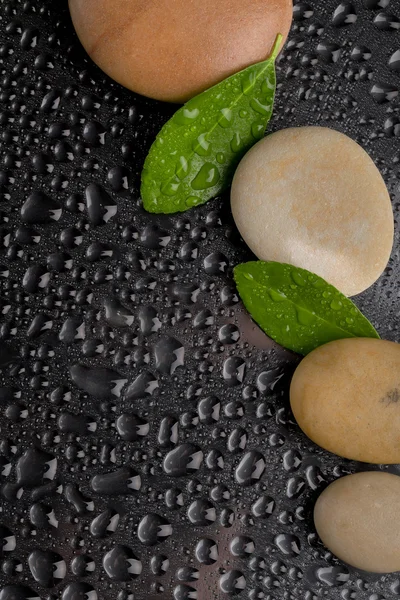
column 345, row 396
column 173, row 49
column 312, row 197
column 357, row 518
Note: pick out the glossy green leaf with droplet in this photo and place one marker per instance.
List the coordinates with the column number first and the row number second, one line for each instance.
column 197, row 151
column 296, row 308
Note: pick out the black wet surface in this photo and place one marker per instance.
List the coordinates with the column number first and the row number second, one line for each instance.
column 146, row 446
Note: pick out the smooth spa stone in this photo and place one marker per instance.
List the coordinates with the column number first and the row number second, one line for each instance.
column 357, row 518
column 345, row 396
column 174, row 50
column 312, row 197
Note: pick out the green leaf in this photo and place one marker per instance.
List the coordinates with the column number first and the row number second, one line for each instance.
column 197, row 151
column 296, row 308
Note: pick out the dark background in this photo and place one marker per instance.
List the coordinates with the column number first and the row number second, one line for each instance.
column 148, row 302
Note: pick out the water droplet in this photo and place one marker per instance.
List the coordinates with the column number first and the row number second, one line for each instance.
column 185, row 592
column 232, row 582
column 226, row 119
column 288, row 544
column 174, row 498
column 237, row 440
column 259, row 107
column 8, row 540
column 229, row 334
column 105, row 524
column 77, row 591
column 187, row 574
column 305, row 317
column 257, row 130
column 336, row 304
column 145, row 384
column 387, row 22
column 100, row 206
column 39, row 208
column 169, row 354
column 153, row 529
column 215, row 263
column 98, row 382
column 236, row 142
column 207, row 177
column 94, row 133
column 292, row 460
column 121, row 564
column 248, row 82
column 206, row 551
column 201, row 513
column 168, row 434
column 269, row 380
column 35, row 466
column 186, row 115
column 47, row 567
column 159, row 564
column 250, row 468
column 234, row 370
column 277, row 296
column 242, row 546
column 333, row 576
column 263, row 507
column 131, row 427
column 171, row 188
column 202, row 146
column 329, row 52
column 183, row 460
column 394, row 61
column 182, row 168
column 20, row 592
column 298, row 278
column 82, row 566
column 209, row 409
column 344, row 14
column 384, row 92
column 117, row 315
column 119, row 482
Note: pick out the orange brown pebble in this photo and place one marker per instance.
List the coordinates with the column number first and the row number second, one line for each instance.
column 174, row 49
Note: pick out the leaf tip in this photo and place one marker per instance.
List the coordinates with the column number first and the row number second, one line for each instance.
column 276, row 47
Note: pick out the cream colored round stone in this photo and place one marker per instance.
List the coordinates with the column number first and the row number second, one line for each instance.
column 357, row 518
column 345, row 396
column 313, row 198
